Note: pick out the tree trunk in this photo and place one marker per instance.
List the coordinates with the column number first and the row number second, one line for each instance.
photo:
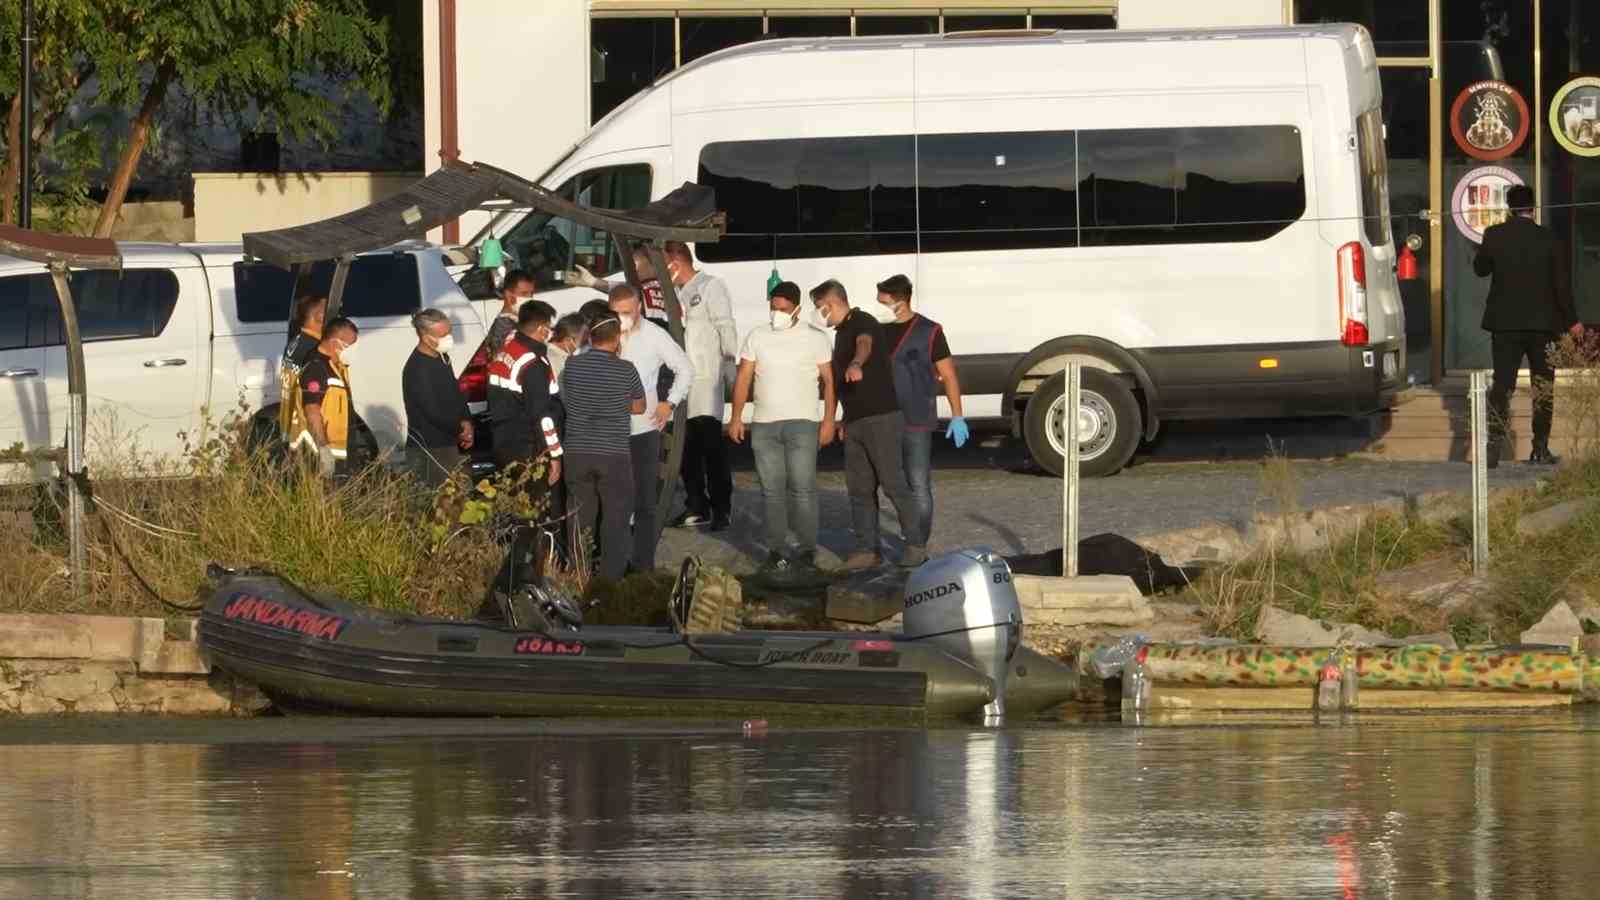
column 9, row 187
column 128, row 164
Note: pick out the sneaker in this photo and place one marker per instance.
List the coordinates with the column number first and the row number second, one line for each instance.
column 777, row 568
column 861, row 560
column 913, row 557
column 690, row 520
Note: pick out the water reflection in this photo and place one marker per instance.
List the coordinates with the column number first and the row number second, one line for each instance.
column 1384, row 808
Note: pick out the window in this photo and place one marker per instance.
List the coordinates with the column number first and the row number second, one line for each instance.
column 810, row 198
column 999, row 191
column 1074, row 22
column 1189, row 185
column 984, row 23
column 1374, row 178
column 627, row 56
column 1398, row 27
column 380, row 284
column 701, row 35
column 111, row 305
column 808, row 26
column 619, row 187
column 881, row 25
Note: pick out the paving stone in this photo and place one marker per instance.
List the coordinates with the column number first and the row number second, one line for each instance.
column 1554, row 518
column 1559, row 627
column 1281, row 628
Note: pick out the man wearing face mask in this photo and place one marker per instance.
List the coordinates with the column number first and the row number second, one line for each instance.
column 570, row 333
column 919, row 357
column 524, row 402
column 648, row 348
column 438, row 424
column 871, row 430
column 515, row 290
column 712, row 341
column 655, row 307
column 324, row 400
column 784, row 363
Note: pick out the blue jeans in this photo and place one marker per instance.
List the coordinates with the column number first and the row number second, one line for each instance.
column 786, row 462
column 916, row 457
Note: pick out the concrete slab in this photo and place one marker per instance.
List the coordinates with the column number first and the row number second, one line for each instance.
column 1084, row 600
column 27, row 636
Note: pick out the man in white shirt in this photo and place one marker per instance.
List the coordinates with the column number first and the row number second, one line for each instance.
column 648, row 347
column 785, row 361
column 712, row 340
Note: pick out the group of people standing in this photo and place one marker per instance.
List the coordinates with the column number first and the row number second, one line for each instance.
column 589, row 394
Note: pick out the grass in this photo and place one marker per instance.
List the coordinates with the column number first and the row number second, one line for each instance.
column 1528, row 575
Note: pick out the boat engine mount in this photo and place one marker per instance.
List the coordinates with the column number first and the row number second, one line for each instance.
column 965, row 603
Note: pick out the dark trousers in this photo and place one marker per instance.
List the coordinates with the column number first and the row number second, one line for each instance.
column 707, row 475
column 645, row 450
column 1509, row 348
column 430, row 466
column 600, row 487
column 872, row 460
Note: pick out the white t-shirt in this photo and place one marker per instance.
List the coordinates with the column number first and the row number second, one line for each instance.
column 786, row 371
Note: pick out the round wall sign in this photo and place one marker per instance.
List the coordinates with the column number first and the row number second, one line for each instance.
column 1479, row 200
column 1489, row 120
column 1575, row 116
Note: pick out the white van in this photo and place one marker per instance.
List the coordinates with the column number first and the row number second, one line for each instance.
column 1200, row 216
column 185, row 327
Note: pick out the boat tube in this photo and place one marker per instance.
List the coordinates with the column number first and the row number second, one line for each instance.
column 956, row 658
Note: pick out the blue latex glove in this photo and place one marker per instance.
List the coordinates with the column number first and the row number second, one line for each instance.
column 957, row 431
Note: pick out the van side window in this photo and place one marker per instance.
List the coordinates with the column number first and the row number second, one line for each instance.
column 1374, row 177
column 814, row 197
column 1189, row 185
column 132, row 303
column 380, row 284
column 1002, row 191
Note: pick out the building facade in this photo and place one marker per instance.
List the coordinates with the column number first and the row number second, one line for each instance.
column 1478, row 95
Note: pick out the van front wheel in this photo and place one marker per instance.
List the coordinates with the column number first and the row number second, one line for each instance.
column 1108, row 423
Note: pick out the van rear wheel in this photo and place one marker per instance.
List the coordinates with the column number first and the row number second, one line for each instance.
column 1108, row 423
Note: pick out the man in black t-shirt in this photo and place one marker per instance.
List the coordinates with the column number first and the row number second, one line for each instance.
column 438, row 424
column 871, row 427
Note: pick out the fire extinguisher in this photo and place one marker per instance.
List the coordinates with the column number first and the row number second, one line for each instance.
column 1406, row 266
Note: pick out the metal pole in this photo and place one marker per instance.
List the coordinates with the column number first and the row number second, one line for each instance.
column 77, row 423
column 1478, row 395
column 25, row 133
column 1069, row 473
column 680, row 416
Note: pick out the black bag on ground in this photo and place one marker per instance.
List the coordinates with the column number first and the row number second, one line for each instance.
column 1111, row 554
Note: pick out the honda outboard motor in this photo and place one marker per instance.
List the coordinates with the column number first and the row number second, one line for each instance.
column 965, row 603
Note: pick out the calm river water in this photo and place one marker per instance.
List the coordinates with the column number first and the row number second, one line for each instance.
column 1486, row 806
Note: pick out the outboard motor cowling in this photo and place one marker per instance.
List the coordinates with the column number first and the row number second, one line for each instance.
column 965, row 603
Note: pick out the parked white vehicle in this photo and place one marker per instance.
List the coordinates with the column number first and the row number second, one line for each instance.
column 1199, row 216
column 187, row 327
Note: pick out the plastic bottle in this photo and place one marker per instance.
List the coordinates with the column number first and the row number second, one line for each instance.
column 754, row 727
column 1136, row 686
column 1106, row 662
column 1329, row 682
column 1349, row 681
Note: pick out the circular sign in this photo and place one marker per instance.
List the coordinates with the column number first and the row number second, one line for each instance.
column 1489, row 120
column 1479, row 200
column 1575, row 116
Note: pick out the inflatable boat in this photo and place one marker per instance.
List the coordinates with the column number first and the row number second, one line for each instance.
column 959, row 656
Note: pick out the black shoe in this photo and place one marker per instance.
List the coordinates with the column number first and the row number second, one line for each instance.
column 690, row 520
column 1543, row 457
column 777, row 568
column 1492, row 455
column 721, row 522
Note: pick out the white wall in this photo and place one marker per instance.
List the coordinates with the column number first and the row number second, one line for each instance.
column 518, row 63
column 227, row 204
column 1198, row 13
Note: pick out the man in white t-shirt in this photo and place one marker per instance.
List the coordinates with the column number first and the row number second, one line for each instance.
column 785, row 361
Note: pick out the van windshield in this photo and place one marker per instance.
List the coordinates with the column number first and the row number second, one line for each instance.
column 1374, row 177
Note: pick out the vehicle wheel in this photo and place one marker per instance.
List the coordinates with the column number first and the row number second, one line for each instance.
column 1109, row 424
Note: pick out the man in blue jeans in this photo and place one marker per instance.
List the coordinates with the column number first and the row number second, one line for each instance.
column 920, row 359
column 784, row 362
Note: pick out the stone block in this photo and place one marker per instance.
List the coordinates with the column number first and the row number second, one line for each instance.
column 78, row 685
column 1084, row 600
column 1559, row 627
column 1426, row 581
column 1073, row 618
column 178, row 658
column 1281, row 628
column 1552, row 519
column 67, row 637
column 867, row 599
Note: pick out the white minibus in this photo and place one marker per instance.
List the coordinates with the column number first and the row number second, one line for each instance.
column 1199, row 217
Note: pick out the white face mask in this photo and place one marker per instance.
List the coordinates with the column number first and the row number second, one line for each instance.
column 628, row 320
column 819, row 318
column 884, row 314
column 444, row 344
column 347, row 353
column 782, row 321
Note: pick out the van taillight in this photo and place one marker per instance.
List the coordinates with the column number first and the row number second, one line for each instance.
column 1352, row 296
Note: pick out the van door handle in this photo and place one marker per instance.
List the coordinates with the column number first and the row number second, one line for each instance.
column 165, row 363
column 19, row 373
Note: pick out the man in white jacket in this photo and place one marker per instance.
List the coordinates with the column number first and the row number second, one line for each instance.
column 712, row 342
